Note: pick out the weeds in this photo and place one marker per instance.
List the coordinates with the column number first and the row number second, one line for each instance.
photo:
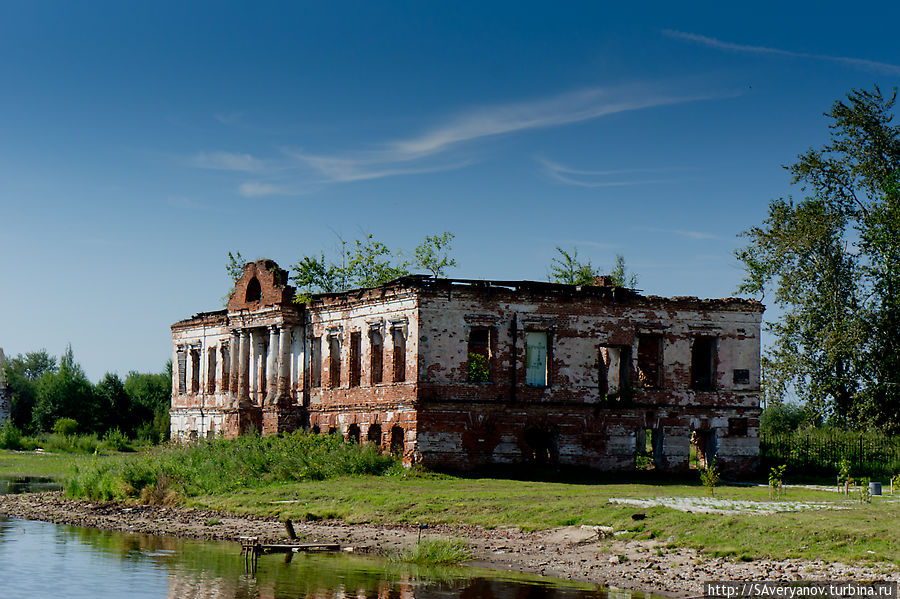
column 709, row 476
column 436, row 552
column 223, row 465
column 776, row 485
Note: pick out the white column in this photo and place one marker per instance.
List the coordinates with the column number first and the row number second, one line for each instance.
column 272, row 366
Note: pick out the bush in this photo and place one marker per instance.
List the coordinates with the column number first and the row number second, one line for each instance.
column 223, row 465
column 10, row 437
column 65, row 426
column 116, row 440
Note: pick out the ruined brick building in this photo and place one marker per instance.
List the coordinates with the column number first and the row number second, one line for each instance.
column 463, row 373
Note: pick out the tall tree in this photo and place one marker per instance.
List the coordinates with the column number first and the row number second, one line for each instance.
column 433, row 254
column 22, row 374
column 66, row 393
column 833, row 259
column 567, row 269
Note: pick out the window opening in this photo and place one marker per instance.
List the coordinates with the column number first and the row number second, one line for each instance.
column 254, row 291
column 355, row 359
column 536, row 348
column 703, row 363
column 399, row 355
column 650, row 360
column 480, row 363
column 334, row 359
column 377, row 358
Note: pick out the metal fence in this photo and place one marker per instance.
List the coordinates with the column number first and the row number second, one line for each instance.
column 821, row 450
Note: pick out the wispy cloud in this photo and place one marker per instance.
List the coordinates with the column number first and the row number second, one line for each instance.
column 604, row 178
column 256, row 189
column 857, row 63
column 697, row 235
column 449, row 144
column 226, row 161
column 426, row 151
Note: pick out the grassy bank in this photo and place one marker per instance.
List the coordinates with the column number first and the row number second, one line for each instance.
column 319, row 477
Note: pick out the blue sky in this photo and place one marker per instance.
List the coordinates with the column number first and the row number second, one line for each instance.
column 140, row 142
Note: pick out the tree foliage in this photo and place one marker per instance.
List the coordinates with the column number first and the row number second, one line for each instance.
column 44, row 393
column 567, row 269
column 833, row 259
column 433, row 254
column 368, row 262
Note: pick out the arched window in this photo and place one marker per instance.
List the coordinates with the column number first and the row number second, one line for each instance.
column 254, row 291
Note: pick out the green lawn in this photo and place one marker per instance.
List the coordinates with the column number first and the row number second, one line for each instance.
column 860, row 531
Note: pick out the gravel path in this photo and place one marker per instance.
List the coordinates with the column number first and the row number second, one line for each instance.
column 586, row 553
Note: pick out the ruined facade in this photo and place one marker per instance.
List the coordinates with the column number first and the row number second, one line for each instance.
column 460, row 374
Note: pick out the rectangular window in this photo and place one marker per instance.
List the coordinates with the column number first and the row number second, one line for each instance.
column 399, row 355
column 211, row 370
column 650, row 360
column 355, row 360
column 315, row 362
column 480, row 364
column 226, row 367
column 536, row 359
column 741, row 376
column 334, row 361
column 737, row 427
column 195, row 371
column 376, row 358
column 182, row 370
column 703, row 363
column 615, row 370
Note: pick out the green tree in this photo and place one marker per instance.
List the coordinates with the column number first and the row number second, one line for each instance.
column 371, row 263
column 66, row 393
column 433, row 254
column 149, row 397
column 567, row 269
column 620, row 275
column 22, row 374
column 113, row 404
column 833, row 259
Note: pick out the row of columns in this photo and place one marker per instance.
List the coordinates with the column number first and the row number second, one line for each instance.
column 277, row 365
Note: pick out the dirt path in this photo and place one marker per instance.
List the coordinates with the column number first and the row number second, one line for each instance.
column 578, row 553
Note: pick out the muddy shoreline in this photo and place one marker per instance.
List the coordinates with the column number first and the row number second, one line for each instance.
column 577, row 553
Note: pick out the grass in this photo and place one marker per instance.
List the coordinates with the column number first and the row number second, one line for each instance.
column 436, row 552
column 312, row 478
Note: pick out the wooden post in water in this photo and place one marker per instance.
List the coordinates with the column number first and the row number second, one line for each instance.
column 289, row 529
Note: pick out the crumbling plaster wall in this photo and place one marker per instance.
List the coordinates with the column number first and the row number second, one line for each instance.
column 387, row 403
column 465, row 424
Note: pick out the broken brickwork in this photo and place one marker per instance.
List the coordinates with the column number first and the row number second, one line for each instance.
column 462, row 374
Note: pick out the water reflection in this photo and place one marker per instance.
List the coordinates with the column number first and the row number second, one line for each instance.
column 41, row 559
column 27, row 484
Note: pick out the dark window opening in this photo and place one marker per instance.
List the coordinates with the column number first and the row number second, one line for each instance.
column 480, row 363
column 543, row 445
column 399, row 355
column 649, row 449
column 703, row 363
column 650, row 360
column 615, row 373
column 741, row 376
column 353, row 434
column 398, row 440
column 376, row 358
column 226, row 367
column 211, row 370
column 254, row 291
column 355, row 359
column 737, row 427
column 373, row 436
column 315, row 430
column 334, row 361
column 182, row 371
column 195, row 370
column 332, row 430
column 315, row 362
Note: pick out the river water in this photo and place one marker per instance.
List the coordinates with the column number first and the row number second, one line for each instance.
column 39, row 560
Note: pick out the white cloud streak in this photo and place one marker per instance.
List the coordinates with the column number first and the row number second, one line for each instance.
column 602, row 178
column 438, row 147
column 856, row 63
column 482, row 123
column 696, row 235
column 226, row 161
